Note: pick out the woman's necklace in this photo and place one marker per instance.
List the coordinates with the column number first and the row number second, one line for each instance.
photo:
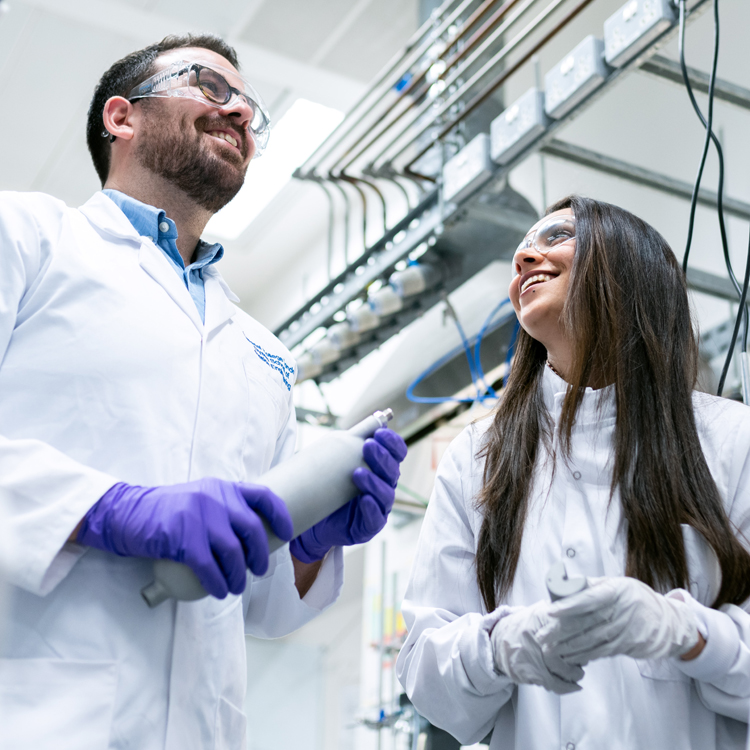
column 549, row 364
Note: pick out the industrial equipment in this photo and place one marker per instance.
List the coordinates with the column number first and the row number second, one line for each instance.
column 417, row 133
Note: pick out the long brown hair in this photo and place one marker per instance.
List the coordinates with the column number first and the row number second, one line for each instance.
column 627, row 304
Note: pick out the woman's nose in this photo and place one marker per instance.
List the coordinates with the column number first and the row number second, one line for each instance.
column 525, row 257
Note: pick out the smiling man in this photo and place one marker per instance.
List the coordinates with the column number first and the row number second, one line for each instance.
column 139, row 407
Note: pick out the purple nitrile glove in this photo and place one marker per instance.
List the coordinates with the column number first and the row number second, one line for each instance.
column 211, row 525
column 364, row 516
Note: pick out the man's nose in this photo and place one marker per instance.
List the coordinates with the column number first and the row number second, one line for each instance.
column 243, row 114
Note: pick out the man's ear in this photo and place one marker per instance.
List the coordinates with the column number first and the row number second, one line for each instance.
column 118, row 117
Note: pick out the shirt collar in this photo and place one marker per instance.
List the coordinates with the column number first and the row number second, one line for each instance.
column 149, row 221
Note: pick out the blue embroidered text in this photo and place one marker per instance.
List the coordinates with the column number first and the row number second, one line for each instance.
column 275, row 362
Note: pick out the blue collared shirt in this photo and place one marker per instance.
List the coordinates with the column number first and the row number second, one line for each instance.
column 156, row 225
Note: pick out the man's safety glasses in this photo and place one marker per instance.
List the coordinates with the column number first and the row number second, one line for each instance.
column 213, row 85
column 550, row 234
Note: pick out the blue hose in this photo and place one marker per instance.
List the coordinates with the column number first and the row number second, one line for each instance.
column 475, row 367
column 478, row 346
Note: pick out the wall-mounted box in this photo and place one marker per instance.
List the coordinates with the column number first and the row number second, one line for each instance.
column 630, row 30
column 575, row 77
column 470, row 168
column 518, row 126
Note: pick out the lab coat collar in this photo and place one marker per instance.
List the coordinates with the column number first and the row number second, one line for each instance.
column 595, row 406
column 155, row 264
column 219, row 308
column 108, row 218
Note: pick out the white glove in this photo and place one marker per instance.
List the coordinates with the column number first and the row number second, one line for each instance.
column 619, row 616
column 519, row 656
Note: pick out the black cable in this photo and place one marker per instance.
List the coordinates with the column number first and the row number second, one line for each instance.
column 719, row 151
column 742, row 313
column 707, row 124
column 735, row 331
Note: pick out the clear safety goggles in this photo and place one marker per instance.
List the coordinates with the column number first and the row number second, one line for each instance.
column 549, row 234
column 213, row 85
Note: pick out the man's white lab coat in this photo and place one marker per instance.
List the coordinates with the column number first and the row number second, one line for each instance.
column 108, row 375
column 446, row 665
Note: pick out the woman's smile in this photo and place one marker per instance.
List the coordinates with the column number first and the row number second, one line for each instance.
column 534, row 279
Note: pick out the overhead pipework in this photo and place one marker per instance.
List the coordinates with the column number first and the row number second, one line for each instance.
column 433, row 129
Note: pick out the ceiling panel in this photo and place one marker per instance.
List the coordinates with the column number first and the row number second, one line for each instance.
column 296, row 28
column 52, row 46
column 14, row 32
column 140, row 4
column 375, row 37
column 221, row 17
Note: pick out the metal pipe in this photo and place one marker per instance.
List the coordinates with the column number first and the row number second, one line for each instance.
column 351, row 283
column 393, row 181
column 470, row 21
column 477, row 101
column 362, row 197
column 381, row 645
column 482, row 32
column 377, row 192
column 476, row 78
column 394, row 622
column 414, row 82
column 538, row 82
column 331, row 219
column 455, row 75
column 499, row 80
column 387, row 78
column 346, row 218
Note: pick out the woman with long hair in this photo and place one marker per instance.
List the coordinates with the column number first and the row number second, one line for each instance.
column 602, row 455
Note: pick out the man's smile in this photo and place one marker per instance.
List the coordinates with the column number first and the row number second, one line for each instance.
column 223, row 135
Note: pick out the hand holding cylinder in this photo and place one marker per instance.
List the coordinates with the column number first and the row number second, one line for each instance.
column 364, row 516
column 314, row 484
column 213, row 526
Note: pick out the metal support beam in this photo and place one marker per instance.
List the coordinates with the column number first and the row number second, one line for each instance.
column 709, row 283
column 669, row 70
column 641, row 176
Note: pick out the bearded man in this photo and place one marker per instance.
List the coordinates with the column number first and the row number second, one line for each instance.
column 139, row 407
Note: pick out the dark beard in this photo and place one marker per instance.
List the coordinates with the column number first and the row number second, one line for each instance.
column 178, row 153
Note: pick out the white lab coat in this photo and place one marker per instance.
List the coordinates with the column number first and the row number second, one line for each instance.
column 446, row 665
column 107, row 375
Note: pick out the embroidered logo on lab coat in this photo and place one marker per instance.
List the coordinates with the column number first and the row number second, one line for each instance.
column 275, row 362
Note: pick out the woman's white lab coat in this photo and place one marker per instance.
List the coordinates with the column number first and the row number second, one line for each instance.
column 446, row 665
column 107, row 375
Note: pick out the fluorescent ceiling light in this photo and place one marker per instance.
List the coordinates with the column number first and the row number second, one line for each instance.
column 298, row 133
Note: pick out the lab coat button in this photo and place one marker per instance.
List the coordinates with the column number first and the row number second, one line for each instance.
column 570, row 552
column 570, row 746
column 163, row 226
column 576, row 475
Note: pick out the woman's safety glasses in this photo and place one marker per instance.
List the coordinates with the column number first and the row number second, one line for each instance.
column 211, row 84
column 549, row 234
